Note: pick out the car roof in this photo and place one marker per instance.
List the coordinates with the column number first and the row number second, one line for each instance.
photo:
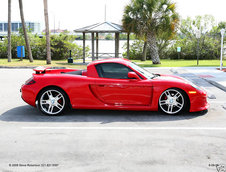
column 111, row 60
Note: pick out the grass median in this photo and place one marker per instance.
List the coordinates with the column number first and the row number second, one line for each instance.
column 35, row 63
column 78, row 63
column 180, row 63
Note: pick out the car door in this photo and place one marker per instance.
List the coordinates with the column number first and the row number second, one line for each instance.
column 115, row 88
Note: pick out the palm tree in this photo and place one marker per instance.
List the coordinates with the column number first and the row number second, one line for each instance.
column 25, row 31
column 9, row 31
column 149, row 18
column 48, row 59
column 144, row 57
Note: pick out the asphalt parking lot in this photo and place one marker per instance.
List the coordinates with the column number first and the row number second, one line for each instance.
column 109, row 141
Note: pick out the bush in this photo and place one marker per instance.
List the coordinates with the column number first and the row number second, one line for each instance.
column 60, row 46
column 209, row 48
column 135, row 50
column 3, row 49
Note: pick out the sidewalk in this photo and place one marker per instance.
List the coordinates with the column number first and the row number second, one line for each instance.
column 210, row 74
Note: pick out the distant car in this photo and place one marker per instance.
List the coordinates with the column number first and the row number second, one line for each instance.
column 115, row 84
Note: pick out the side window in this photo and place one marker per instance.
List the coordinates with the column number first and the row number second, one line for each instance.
column 112, row 70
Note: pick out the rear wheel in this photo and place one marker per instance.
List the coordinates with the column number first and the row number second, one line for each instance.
column 52, row 101
column 172, row 101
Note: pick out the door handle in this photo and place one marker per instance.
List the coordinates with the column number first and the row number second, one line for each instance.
column 110, row 86
column 101, row 85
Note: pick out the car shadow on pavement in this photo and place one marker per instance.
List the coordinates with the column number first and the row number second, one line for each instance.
column 29, row 114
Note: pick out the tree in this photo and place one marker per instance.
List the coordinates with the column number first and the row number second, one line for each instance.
column 109, row 37
column 25, row 31
column 9, row 31
column 209, row 41
column 148, row 19
column 130, row 25
column 48, row 51
column 190, row 26
column 164, row 40
column 217, row 29
column 221, row 25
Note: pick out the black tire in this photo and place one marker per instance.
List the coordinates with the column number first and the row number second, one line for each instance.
column 52, row 101
column 173, row 101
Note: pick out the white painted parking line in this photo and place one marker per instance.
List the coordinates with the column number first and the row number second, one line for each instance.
column 124, row 128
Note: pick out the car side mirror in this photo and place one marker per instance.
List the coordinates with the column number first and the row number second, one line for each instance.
column 133, row 75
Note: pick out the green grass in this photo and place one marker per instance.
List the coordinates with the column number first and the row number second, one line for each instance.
column 148, row 63
column 54, row 63
column 180, row 63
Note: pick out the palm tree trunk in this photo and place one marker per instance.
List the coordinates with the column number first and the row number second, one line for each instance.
column 25, row 31
column 144, row 57
column 151, row 38
column 9, row 32
column 48, row 59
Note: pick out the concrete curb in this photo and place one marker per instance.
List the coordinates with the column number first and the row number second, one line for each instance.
column 19, row 67
column 216, row 84
column 32, row 67
column 27, row 67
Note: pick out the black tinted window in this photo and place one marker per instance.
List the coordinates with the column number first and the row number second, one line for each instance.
column 113, row 70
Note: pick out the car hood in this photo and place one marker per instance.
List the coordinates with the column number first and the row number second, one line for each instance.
column 170, row 78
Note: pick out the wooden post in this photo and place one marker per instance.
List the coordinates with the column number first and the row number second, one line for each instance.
column 128, row 45
column 116, row 44
column 84, row 47
column 97, row 41
column 93, row 57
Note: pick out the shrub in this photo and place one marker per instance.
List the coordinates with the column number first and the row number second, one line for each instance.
column 60, row 46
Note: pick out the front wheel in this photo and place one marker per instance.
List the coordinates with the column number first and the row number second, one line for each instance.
column 172, row 101
column 52, row 101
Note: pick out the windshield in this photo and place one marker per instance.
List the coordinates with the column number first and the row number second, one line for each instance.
column 141, row 70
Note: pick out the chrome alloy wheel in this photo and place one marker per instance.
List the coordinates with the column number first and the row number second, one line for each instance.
column 52, row 102
column 171, row 101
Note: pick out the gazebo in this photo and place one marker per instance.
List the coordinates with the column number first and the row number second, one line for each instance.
column 104, row 27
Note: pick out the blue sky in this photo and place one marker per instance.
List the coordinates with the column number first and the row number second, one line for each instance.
column 72, row 14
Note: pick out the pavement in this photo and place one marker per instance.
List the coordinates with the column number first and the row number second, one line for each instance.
column 210, row 74
column 109, row 141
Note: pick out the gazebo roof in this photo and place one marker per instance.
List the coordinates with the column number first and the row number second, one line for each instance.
column 104, row 27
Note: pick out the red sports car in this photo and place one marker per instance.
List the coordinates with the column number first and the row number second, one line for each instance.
column 115, row 84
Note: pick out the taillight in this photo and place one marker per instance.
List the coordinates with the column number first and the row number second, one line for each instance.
column 30, row 81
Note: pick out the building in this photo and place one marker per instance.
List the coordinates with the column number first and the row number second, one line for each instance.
column 34, row 27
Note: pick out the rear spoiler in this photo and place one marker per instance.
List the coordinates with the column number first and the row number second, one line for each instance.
column 41, row 69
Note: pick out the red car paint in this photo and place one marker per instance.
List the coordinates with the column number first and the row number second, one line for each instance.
column 89, row 91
